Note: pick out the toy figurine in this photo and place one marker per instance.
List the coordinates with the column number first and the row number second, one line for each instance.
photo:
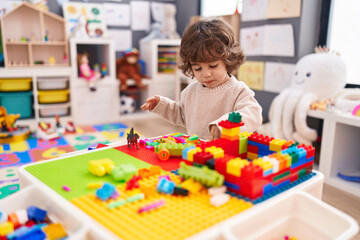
column 128, row 67
column 86, row 72
column 132, row 139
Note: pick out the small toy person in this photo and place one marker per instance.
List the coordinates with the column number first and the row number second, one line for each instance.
column 86, row 72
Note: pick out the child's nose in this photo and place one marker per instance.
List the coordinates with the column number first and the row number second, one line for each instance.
column 207, row 73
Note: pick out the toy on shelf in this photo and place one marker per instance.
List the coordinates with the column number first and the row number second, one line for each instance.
column 86, row 72
column 317, row 77
column 128, row 67
column 132, row 139
column 9, row 132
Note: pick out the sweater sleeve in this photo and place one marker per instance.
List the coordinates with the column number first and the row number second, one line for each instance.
column 170, row 110
column 249, row 109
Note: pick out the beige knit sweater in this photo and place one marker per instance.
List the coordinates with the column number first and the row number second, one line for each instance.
column 199, row 107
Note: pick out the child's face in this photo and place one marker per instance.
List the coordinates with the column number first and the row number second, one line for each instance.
column 211, row 74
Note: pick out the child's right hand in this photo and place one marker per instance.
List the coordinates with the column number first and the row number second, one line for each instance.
column 150, row 103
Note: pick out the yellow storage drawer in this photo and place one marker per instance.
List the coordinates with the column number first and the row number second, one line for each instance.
column 55, row 96
column 15, row 84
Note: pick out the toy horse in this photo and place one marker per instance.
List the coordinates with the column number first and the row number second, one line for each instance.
column 132, row 139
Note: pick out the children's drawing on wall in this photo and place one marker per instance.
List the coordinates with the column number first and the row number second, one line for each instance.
column 277, row 76
column 254, row 10
column 252, row 73
column 252, row 40
column 84, row 19
column 279, row 40
column 117, row 14
column 283, row 9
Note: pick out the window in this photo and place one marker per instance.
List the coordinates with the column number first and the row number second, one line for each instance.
column 344, row 35
column 212, row 8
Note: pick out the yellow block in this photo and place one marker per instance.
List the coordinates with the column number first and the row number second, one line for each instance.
column 6, row 228
column 180, row 217
column 192, row 185
column 215, row 151
column 245, row 134
column 235, row 165
column 54, row 231
column 191, row 153
column 276, row 144
column 100, row 167
column 264, row 164
column 231, row 132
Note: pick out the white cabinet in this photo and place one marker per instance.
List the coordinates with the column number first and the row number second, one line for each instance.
column 102, row 105
column 160, row 58
column 340, row 148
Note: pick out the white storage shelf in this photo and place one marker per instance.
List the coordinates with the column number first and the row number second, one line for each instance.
column 42, row 79
column 340, row 149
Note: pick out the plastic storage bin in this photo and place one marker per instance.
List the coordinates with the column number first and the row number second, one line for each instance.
column 56, row 211
column 53, row 110
column 15, row 84
column 52, row 83
column 17, row 102
column 53, row 96
column 295, row 214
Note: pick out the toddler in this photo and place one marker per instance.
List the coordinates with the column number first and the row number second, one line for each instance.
column 210, row 54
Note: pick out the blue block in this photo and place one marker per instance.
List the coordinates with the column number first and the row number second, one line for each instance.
column 36, row 214
column 267, row 188
column 231, row 185
column 105, row 192
column 165, row 186
column 185, row 152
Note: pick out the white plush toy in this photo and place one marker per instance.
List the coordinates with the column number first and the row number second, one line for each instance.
column 316, row 77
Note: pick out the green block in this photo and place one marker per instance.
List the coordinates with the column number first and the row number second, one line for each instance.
column 124, row 172
column 243, row 143
column 234, row 117
column 302, row 172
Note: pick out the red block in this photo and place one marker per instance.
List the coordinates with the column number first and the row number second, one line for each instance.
column 202, row 157
column 253, row 149
column 228, row 125
column 220, row 164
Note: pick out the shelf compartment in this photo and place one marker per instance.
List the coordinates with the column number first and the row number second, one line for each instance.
column 52, row 110
column 15, row 84
column 54, row 28
column 18, row 55
column 17, row 102
column 55, row 83
column 53, row 96
column 43, row 53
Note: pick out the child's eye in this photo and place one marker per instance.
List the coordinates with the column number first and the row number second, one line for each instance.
column 214, row 66
column 197, row 69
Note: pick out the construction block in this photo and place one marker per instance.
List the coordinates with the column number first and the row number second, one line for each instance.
column 124, row 172
column 252, row 149
column 192, row 152
column 105, row 192
column 231, row 138
column 186, row 151
column 100, row 167
column 276, row 144
column 54, row 231
column 6, row 228
column 192, row 186
column 204, row 175
column 202, row 157
column 148, row 172
column 234, row 117
column 227, row 124
column 231, row 132
column 235, row 165
column 215, row 151
column 251, row 155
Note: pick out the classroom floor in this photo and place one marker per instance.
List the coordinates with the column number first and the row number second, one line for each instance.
column 150, row 125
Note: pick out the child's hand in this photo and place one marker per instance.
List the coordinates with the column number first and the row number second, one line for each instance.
column 150, row 103
column 214, row 132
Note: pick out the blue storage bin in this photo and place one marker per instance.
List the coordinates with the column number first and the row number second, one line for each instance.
column 17, row 102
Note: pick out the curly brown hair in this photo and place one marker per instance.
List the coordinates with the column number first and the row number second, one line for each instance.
column 208, row 41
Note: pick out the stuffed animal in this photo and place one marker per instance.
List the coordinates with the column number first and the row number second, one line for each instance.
column 317, row 77
column 86, row 72
column 128, row 67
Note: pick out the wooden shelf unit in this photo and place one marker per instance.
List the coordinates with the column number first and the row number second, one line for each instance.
column 34, row 38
